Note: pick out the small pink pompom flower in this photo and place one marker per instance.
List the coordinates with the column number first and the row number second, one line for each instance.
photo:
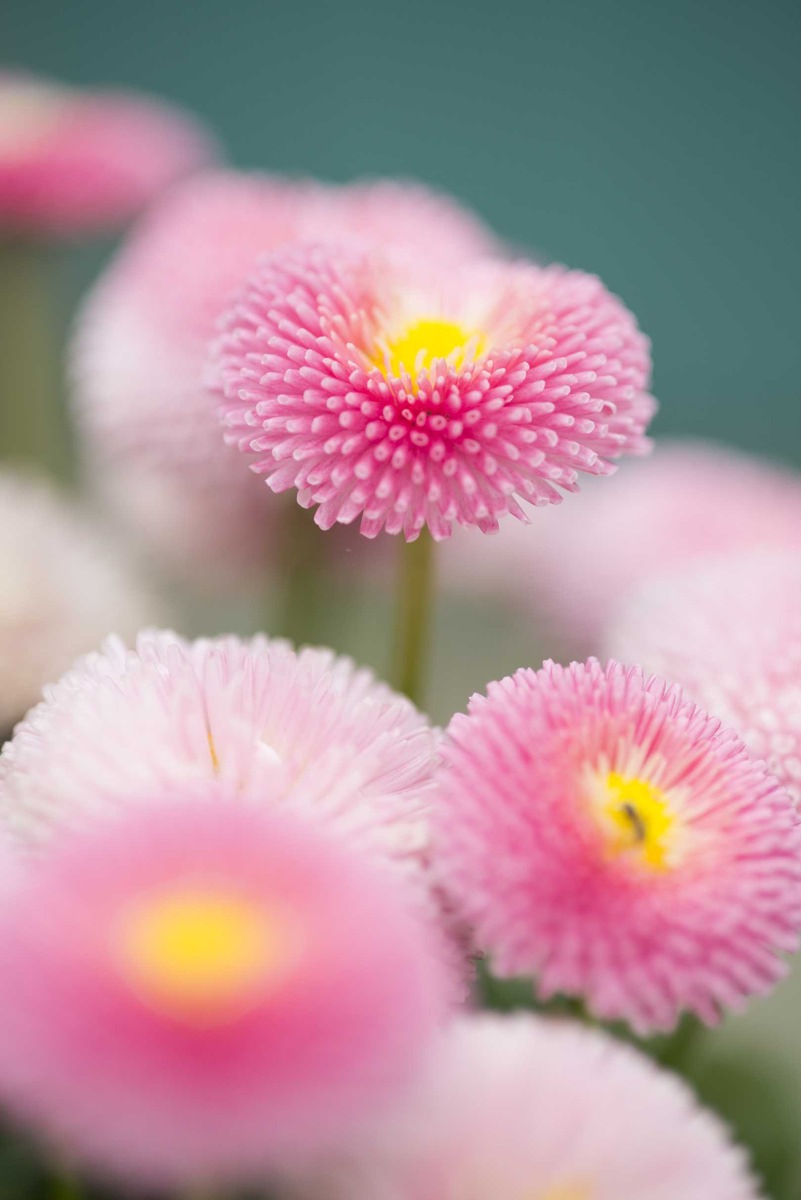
column 413, row 396
column 202, row 990
column 73, row 162
column 528, row 1107
column 729, row 632
column 150, row 430
column 302, row 730
column 603, row 834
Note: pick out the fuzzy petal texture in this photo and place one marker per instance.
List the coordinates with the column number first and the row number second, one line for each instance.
column 64, row 586
column 525, row 1107
column 150, row 432
column 729, row 632
column 690, row 501
column 75, row 162
column 115, row 1038
column 410, row 396
column 603, row 834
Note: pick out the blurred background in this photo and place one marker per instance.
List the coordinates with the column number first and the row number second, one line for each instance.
column 656, row 144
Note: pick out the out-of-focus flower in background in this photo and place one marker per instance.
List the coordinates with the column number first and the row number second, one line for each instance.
column 75, row 162
column 526, row 1106
column 303, row 731
column 690, row 500
column 604, row 835
column 64, row 585
column 729, row 631
column 410, row 396
column 201, row 989
column 151, row 438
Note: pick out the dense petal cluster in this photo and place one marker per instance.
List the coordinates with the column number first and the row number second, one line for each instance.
column 413, row 397
column 64, row 586
column 73, row 162
column 729, row 632
column 524, row 1106
column 305, row 730
column 603, row 834
column 150, row 429
column 200, row 990
column 689, row 500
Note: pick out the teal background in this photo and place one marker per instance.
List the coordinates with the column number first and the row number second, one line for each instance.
column 656, row 144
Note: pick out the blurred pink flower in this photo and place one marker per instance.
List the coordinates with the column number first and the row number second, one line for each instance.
column 413, row 396
column 689, row 501
column 151, row 432
column 64, row 586
column 74, row 162
column 729, row 632
column 304, row 731
column 603, row 834
column 524, row 1106
column 202, row 990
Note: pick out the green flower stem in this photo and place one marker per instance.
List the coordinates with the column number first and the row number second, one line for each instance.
column 32, row 427
column 415, row 596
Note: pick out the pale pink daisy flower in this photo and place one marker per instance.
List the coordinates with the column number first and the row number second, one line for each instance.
column 150, row 430
column 300, row 729
column 64, row 586
column 527, row 1107
column 729, row 632
column 604, row 835
column 73, row 162
column 198, row 990
column 690, row 500
column 413, row 396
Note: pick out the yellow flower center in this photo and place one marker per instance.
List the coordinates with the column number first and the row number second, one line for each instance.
column 638, row 820
column 197, row 953
column 425, row 342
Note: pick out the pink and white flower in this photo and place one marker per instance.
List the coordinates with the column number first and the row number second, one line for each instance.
column 408, row 395
column 604, row 835
column 200, row 990
column 150, row 430
column 527, row 1107
column 74, row 162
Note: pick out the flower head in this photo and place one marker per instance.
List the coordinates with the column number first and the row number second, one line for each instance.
column 729, row 632
column 689, row 501
column 205, row 989
column 63, row 587
column 150, row 430
column 608, row 837
column 305, row 730
column 524, row 1107
column 72, row 161
column 414, row 396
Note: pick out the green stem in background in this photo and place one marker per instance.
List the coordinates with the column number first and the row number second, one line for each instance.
column 65, row 1186
column 302, row 556
column 32, row 426
column 414, row 601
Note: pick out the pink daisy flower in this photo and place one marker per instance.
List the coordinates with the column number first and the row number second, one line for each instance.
column 73, row 162
column 200, row 990
column 689, row 501
column 64, row 585
column 305, row 730
column 150, row 429
column 603, row 834
column 729, row 632
column 413, row 396
column 528, row 1107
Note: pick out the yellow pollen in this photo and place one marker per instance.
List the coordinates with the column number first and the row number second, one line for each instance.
column 197, row 953
column 425, row 342
column 638, row 819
